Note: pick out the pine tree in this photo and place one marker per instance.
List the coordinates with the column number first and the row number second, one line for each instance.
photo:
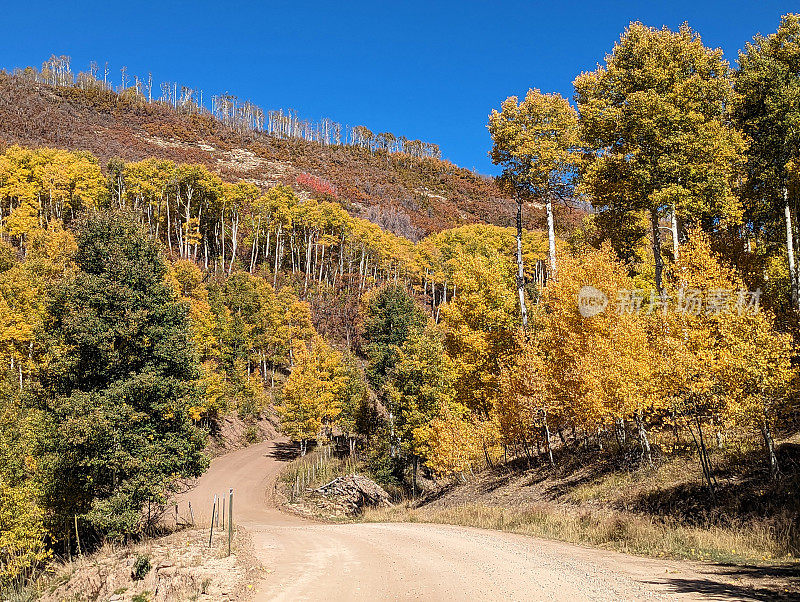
column 114, row 433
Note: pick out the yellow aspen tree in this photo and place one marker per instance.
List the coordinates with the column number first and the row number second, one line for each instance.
column 309, row 398
column 536, row 141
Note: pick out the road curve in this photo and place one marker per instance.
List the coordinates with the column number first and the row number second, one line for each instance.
column 404, row 561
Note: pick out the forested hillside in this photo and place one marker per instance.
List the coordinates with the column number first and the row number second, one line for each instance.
column 401, row 185
column 162, row 268
column 250, row 281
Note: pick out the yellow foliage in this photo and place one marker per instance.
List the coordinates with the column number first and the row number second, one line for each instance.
column 22, row 534
column 311, row 395
column 454, row 443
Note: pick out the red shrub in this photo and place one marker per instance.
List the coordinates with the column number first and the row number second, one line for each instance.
column 316, row 185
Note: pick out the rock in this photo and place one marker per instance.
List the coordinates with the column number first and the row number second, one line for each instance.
column 353, row 492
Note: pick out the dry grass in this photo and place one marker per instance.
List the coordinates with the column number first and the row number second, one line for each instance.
column 664, row 512
column 624, row 532
column 181, row 567
column 313, row 470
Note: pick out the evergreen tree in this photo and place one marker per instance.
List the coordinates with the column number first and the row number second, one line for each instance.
column 114, row 431
column 390, row 317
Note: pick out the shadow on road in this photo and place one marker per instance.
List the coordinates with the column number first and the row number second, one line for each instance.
column 284, row 451
column 777, row 582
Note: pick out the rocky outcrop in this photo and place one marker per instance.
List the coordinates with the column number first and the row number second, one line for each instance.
column 352, row 493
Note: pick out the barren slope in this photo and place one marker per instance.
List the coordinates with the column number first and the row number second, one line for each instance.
column 434, row 194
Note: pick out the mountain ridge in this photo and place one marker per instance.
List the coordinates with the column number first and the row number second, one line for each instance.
column 411, row 196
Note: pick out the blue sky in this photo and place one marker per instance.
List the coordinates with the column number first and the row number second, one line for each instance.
column 428, row 70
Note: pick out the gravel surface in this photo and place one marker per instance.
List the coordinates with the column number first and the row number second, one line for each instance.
column 306, row 560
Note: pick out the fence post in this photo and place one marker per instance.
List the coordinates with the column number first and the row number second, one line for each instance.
column 230, row 520
column 213, row 513
column 77, row 536
column 191, row 514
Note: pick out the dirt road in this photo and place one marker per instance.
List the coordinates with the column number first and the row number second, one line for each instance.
column 311, row 561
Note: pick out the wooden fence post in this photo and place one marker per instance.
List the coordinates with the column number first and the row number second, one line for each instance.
column 213, row 514
column 230, row 520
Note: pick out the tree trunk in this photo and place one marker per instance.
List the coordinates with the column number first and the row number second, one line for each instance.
column 769, row 444
column 790, row 249
column 674, row 227
column 659, row 261
column 547, row 442
column 644, row 440
column 414, row 468
column 169, row 225
column 523, row 310
column 620, row 431
column 705, row 461
column 551, row 238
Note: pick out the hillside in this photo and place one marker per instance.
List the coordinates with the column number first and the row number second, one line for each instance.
column 411, row 196
column 180, row 280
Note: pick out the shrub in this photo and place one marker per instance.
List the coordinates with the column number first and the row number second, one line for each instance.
column 22, row 535
column 251, row 434
column 141, row 566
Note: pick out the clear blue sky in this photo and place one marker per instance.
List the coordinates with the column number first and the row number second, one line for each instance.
column 429, row 70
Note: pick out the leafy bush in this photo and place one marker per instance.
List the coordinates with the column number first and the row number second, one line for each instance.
column 22, row 535
column 251, row 434
column 141, row 566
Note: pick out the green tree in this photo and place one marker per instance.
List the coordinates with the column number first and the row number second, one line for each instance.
column 655, row 125
column 114, row 432
column 767, row 108
column 354, row 401
column 391, row 315
column 421, row 380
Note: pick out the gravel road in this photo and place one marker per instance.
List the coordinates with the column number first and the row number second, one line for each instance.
column 306, row 560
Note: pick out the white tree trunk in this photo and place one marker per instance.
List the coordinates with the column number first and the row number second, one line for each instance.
column 790, row 248
column 551, row 238
column 674, row 226
column 523, row 310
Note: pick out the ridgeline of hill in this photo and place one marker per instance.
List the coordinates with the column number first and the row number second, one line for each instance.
column 410, row 196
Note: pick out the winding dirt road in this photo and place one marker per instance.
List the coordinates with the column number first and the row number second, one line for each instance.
column 312, row 561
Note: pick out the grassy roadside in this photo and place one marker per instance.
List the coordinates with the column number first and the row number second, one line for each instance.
column 177, row 566
column 599, row 500
column 611, row 509
column 313, row 470
column 619, row 531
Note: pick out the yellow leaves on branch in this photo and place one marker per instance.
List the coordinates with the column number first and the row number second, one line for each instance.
column 311, row 395
column 23, row 536
column 728, row 366
column 455, row 442
column 44, row 184
column 536, row 140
